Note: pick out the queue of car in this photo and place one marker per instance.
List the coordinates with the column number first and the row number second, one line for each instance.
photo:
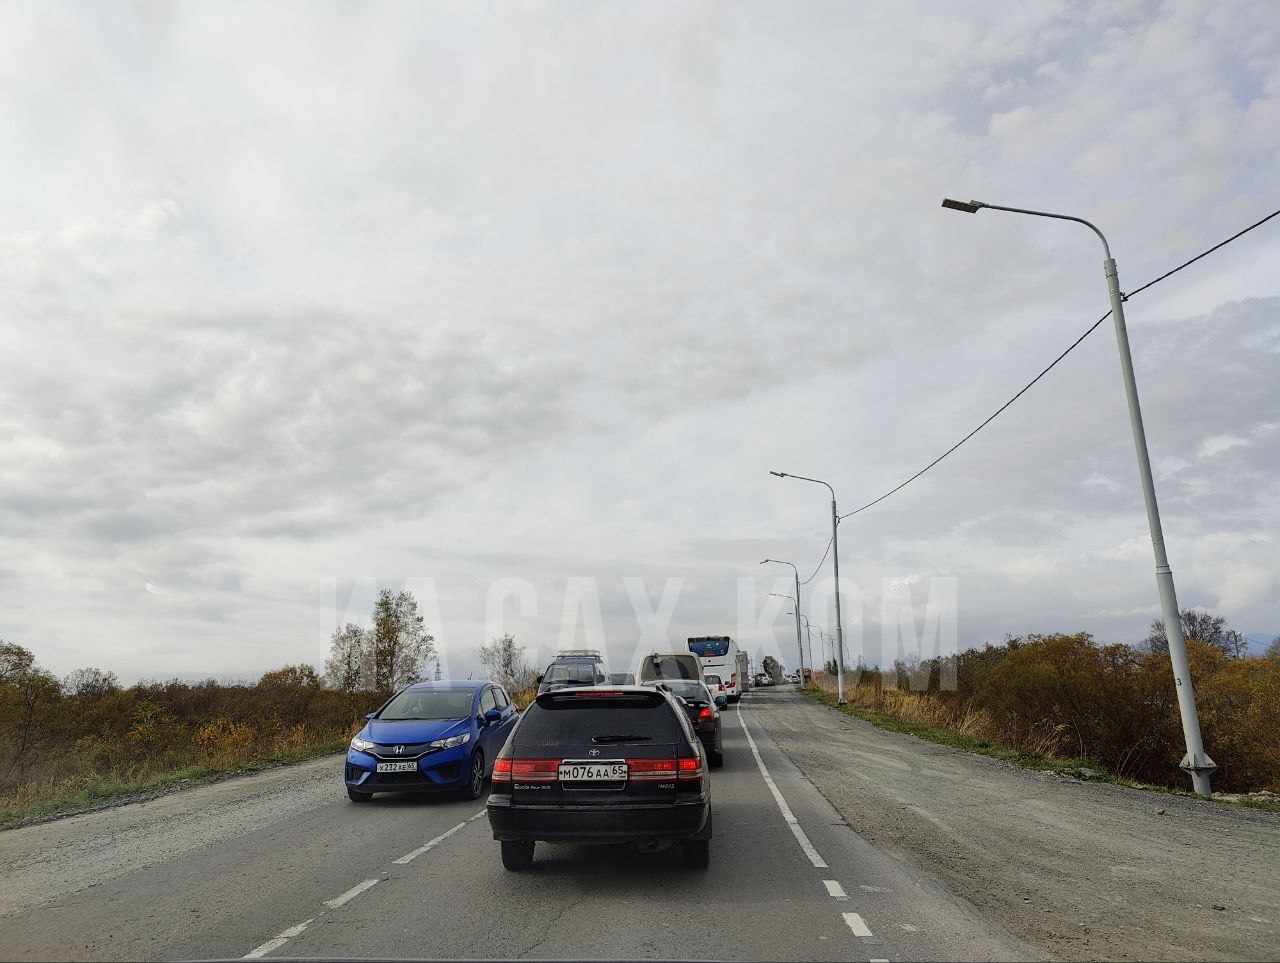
column 597, row 757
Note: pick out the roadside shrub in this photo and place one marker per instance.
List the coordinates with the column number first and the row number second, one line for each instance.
column 1067, row 697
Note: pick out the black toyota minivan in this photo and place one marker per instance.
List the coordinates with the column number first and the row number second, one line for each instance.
column 604, row 765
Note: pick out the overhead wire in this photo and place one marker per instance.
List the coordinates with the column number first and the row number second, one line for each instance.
column 1088, row 331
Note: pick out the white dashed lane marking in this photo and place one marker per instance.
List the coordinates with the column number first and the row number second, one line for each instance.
column 277, row 942
column 834, row 889
column 790, row 818
column 856, row 924
column 351, row 894
column 410, row 857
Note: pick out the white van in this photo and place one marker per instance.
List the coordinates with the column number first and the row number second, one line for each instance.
column 660, row 666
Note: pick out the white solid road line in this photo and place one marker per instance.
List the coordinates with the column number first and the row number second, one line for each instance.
column 351, row 894
column 856, row 924
column 796, row 831
column 410, row 857
column 834, row 889
column 476, row 816
column 276, row 942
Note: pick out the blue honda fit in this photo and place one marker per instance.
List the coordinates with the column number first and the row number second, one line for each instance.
column 431, row 736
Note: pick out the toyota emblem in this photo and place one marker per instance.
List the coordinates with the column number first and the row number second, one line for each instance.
column 399, row 749
column 594, row 752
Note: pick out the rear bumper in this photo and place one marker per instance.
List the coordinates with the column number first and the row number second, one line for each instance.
column 597, row 824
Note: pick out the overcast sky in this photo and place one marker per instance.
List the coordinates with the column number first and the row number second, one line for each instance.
column 292, row 295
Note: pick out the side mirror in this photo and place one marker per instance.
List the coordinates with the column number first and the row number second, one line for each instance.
column 540, row 678
column 722, row 700
column 492, row 715
column 370, row 715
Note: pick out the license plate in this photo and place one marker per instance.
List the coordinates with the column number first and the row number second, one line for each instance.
column 408, row 766
column 593, row 771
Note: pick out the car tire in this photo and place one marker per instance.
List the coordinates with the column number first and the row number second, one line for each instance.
column 696, row 852
column 716, row 759
column 517, row 854
column 355, row 795
column 475, row 777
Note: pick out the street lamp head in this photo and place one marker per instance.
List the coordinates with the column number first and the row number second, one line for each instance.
column 970, row 208
column 780, row 474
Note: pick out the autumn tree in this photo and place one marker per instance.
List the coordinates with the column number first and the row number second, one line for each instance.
column 1204, row 627
column 401, row 646
column 504, row 659
column 28, row 698
column 90, row 683
column 349, row 667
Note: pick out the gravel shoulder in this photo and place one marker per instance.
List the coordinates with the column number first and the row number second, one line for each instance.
column 1078, row 870
column 47, row 860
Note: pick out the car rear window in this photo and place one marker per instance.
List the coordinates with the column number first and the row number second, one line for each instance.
column 693, row 691
column 571, row 672
column 602, row 721
column 668, row 667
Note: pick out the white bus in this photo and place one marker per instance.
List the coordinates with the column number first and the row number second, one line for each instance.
column 719, row 655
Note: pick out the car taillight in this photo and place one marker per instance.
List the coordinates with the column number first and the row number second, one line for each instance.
column 502, row 770
column 534, row 770
column 705, row 714
column 689, row 769
column 733, row 679
column 651, row 770
column 597, row 694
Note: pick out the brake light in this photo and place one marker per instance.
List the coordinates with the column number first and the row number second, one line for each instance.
column 501, row 770
column 535, row 770
column 689, row 769
column 596, row 694
column 733, row 679
column 651, row 770
column 705, row 714
column 667, row 766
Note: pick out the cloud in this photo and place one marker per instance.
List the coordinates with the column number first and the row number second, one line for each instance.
column 469, row 291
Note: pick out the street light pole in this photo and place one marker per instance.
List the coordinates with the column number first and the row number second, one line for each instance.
column 1196, row 762
column 835, row 562
column 799, row 645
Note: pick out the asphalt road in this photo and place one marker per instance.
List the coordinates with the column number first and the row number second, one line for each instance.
column 282, row 864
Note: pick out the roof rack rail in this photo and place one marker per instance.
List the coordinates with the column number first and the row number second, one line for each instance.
column 582, row 653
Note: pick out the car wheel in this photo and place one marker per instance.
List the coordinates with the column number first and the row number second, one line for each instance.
column 355, row 795
column 475, row 777
column 517, row 854
column 716, row 759
column 697, row 852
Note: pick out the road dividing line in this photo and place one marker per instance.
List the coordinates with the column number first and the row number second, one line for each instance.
column 277, row 942
column 410, row 857
column 350, row 894
column 796, row 831
column 856, row 924
column 834, row 889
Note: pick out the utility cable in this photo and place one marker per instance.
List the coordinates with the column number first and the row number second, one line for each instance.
column 1093, row 327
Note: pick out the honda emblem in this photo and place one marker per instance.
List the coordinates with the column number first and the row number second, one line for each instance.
column 399, row 749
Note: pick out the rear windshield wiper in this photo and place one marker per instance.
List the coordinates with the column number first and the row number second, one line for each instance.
column 622, row 738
